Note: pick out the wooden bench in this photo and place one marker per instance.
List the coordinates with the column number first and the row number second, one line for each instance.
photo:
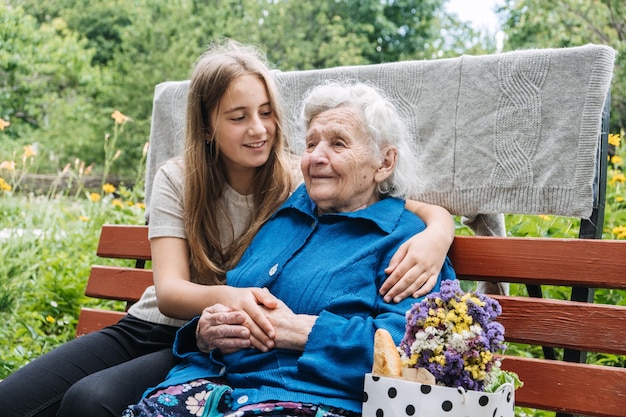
column 556, row 385
column 113, row 282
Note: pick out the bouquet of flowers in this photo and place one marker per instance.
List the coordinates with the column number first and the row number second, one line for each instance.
column 453, row 334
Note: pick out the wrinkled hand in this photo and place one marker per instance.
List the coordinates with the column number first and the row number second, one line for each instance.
column 221, row 328
column 415, row 267
column 250, row 304
column 292, row 330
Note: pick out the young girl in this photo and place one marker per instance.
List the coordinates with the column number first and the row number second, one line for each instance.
column 206, row 207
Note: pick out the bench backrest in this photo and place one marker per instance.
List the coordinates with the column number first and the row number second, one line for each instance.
column 114, row 282
column 490, row 129
column 555, row 385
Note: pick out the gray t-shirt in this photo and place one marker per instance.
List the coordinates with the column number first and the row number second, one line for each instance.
column 166, row 220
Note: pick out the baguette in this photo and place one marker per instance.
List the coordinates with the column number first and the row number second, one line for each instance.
column 387, row 360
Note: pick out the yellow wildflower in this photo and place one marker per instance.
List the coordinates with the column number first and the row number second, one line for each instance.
column 119, row 117
column 29, row 151
column 619, row 232
column 614, row 139
column 4, row 123
column 50, row 319
column 544, row 217
column 8, row 165
column 94, row 197
column 4, row 186
column 140, row 205
column 83, row 218
column 618, row 177
column 619, row 199
column 117, row 202
column 108, row 188
column 616, row 160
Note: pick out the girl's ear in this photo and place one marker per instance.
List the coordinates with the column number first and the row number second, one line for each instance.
column 388, row 163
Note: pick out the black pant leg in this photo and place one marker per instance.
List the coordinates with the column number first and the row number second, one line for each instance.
column 37, row 388
column 107, row 393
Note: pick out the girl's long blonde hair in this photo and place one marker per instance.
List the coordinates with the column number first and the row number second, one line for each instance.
column 213, row 72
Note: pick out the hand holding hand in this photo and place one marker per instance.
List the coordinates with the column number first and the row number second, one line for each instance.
column 250, row 305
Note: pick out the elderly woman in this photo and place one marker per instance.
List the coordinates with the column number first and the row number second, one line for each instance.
column 323, row 256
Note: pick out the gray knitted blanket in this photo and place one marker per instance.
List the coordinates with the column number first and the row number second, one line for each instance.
column 516, row 132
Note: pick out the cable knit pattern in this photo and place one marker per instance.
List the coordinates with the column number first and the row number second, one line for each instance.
column 515, row 132
column 516, row 137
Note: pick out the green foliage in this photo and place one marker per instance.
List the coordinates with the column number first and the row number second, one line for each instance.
column 46, row 81
column 45, row 259
column 68, row 64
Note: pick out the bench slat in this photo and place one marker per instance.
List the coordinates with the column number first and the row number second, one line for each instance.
column 565, row 324
column 569, row 387
column 91, row 319
column 124, row 242
column 118, row 283
column 568, row 262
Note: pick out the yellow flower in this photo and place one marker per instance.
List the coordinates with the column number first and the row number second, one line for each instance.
column 50, row 319
column 29, row 151
column 616, row 160
column 619, row 177
column 440, row 359
column 4, row 123
column 614, row 139
column 108, row 188
column 4, row 186
column 119, row 117
column 94, row 197
column 544, row 217
column 619, row 232
column 619, row 198
column 117, row 202
column 140, row 205
column 8, row 165
column 83, row 218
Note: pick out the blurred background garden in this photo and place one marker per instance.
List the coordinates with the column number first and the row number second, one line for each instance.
column 76, row 86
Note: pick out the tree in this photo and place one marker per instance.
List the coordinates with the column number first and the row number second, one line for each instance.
column 120, row 50
column 45, row 83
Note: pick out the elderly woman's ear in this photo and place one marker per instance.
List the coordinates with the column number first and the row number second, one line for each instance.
column 387, row 165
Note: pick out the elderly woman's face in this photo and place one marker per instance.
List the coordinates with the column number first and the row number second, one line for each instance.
column 339, row 168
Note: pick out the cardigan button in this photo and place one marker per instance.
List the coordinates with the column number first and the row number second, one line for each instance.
column 273, row 270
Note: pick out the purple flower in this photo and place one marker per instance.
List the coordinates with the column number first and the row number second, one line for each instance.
column 454, row 335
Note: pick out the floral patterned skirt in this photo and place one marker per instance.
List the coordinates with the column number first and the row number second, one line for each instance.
column 205, row 398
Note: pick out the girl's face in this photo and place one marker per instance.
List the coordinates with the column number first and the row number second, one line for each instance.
column 245, row 130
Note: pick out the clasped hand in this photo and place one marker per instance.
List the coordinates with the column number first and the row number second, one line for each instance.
column 255, row 319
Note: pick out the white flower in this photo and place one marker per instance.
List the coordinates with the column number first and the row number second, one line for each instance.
column 195, row 404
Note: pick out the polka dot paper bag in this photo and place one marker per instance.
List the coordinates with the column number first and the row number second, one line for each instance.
column 393, row 397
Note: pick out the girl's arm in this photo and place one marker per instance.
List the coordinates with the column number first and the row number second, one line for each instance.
column 180, row 298
column 414, row 268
